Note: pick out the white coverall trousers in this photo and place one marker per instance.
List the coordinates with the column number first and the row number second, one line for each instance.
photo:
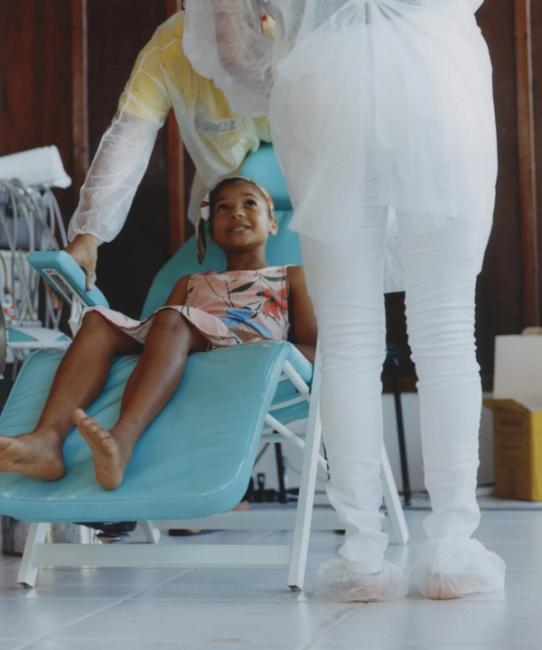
column 347, row 290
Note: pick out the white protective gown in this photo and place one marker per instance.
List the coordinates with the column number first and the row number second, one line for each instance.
column 419, row 81
column 162, row 79
column 393, row 108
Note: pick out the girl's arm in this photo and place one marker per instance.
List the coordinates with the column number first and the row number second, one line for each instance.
column 178, row 295
column 302, row 318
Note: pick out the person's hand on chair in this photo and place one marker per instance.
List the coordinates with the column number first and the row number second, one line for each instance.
column 84, row 250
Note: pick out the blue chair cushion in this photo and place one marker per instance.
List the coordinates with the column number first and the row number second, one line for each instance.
column 194, row 460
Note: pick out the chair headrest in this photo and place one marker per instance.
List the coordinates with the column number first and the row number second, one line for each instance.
column 262, row 166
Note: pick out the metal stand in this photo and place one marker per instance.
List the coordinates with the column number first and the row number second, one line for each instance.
column 393, row 361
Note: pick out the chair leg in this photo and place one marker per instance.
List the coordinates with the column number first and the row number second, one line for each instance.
column 28, row 570
column 279, row 459
column 400, row 429
column 393, row 503
column 305, row 503
column 152, row 534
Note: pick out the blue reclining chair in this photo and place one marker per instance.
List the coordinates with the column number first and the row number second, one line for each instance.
column 195, row 460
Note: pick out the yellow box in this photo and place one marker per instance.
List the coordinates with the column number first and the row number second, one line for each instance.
column 517, row 450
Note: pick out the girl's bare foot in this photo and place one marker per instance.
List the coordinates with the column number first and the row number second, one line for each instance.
column 109, row 457
column 33, row 454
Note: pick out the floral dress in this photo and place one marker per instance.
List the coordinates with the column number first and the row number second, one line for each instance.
column 228, row 308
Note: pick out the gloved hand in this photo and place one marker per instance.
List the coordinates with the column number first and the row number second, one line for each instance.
column 84, row 250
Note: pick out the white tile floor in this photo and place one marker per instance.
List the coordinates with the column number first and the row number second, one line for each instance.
column 226, row 609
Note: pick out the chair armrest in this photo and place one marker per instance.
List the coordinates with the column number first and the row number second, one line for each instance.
column 300, row 363
column 61, row 272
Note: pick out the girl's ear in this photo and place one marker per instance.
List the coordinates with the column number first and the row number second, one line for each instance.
column 274, row 226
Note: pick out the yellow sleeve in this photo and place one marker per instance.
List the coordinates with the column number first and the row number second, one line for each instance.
column 262, row 128
column 146, row 94
column 217, row 138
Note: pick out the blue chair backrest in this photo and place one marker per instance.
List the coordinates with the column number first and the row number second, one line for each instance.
column 284, row 248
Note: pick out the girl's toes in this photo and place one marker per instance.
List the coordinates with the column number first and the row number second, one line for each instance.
column 79, row 415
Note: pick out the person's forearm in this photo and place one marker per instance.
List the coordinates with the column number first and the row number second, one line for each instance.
column 113, row 178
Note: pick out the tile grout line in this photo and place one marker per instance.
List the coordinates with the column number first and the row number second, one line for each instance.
column 99, row 611
column 27, row 644
column 340, row 618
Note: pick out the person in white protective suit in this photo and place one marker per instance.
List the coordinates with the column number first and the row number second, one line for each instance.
column 381, row 112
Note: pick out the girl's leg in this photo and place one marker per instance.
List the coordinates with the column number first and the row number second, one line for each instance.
column 440, row 276
column 170, row 340
column 347, row 291
column 78, row 380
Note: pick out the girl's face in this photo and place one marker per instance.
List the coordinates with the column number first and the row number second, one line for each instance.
column 240, row 219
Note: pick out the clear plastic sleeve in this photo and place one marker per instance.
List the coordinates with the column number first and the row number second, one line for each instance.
column 216, row 138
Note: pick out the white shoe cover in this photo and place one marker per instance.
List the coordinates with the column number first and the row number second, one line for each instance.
column 451, row 568
column 338, row 582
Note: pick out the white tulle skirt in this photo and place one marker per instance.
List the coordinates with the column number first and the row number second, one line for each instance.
column 388, row 104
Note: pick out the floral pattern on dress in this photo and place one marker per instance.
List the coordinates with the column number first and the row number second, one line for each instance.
column 252, row 302
column 228, row 308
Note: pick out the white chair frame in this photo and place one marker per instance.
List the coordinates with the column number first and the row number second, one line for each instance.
column 39, row 553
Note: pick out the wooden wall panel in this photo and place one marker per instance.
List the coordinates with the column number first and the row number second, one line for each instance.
column 79, row 39
column 36, row 80
column 498, row 303
column 527, row 163
column 536, row 19
column 117, row 30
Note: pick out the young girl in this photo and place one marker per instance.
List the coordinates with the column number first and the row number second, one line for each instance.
column 250, row 301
